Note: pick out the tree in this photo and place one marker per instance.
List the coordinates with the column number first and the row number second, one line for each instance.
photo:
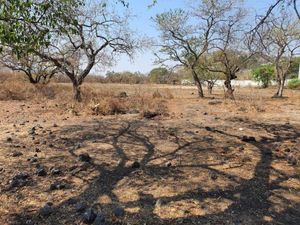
column 183, row 41
column 231, row 46
column 95, row 36
column 264, row 74
column 159, row 75
column 36, row 69
column 278, row 40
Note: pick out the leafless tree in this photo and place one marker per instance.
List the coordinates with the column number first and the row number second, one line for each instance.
column 279, row 40
column 36, row 69
column 97, row 35
column 231, row 48
column 275, row 5
column 186, row 35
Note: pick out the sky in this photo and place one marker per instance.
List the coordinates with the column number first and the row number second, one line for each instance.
column 142, row 23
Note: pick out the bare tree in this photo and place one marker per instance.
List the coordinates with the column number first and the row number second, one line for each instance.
column 279, row 39
column 231, row 47
column 185, row 41
column 96, row 36
column 36, row 69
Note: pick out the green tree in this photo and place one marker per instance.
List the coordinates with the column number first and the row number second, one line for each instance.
column 264, row 74
column 159, row 75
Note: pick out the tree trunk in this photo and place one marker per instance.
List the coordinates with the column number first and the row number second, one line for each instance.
column 280, row 88
column 198, row 84
column 210, row 86
column 77, row 92
column 230, row 90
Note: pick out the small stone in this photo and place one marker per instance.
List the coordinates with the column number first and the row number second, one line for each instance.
column 9, row 139
column 17, row 154
column 123, row 94
column 118, row 212
column 71, row 201
column 19, row 180
column 55, row 171
column 135, row 165
column 168, row 164
column 89, row 216
column 213, row 175
column 55, row 125
column 84, row 157
column 46, row 210
column 205, row 114
column 58, row 186
column 248, row 139
column 292, row 160
column 100, row 219
column 150, row 115
column 41, row 172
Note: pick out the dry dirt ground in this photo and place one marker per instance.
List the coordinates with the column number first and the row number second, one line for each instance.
column 193, row 166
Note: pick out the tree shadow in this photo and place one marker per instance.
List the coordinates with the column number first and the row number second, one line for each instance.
column 249, row 200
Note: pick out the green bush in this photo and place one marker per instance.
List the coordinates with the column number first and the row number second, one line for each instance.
column 264, row 74
column 294, row 84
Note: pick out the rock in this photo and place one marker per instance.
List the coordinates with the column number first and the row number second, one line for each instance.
column 80, row 207
column 119, row 212
column 213, row 175
column 248, row 139
column 46, row 210
column 168, row 164
column 89, row 216
column 215, row 102
column 16, row 154
column 41, row 172
column 208, row 128
column 55, row 125
column 150, row 115
column 158, row 203
column 19, row 180
column 32, row 160
column 55, row 171
column 58, row 186
column 292, row 160
column 100, row 219
column 9, row 139
column 84, row 157
column 205, row 114
column 123, row 94
column 135, row 165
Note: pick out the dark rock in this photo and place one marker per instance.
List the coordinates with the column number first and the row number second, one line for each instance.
column 80, row 207
column 41, row 172
column 19, row 180
column 32, row 160
column 37, row 150
column 135, row 165
column 208, row 128
column 123, row 94
column 58, row 186
column 213, row 175
column 168, row 164
column 287, row 150
column 84, row 157
column 89, row 216
column 46, row 210
column 17, row 154
column 9, row 139
column 248, row 139
column 100, row 219
column 205, row 114
column 55, row 125
column 119, row 212
column 150, row 115
column 292, row 160
column 55, row 171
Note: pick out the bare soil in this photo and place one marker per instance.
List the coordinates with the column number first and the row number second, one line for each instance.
column 195, row 167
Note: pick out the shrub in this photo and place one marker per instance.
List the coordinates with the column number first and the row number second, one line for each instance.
column 264, row 74
column 294, row 84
